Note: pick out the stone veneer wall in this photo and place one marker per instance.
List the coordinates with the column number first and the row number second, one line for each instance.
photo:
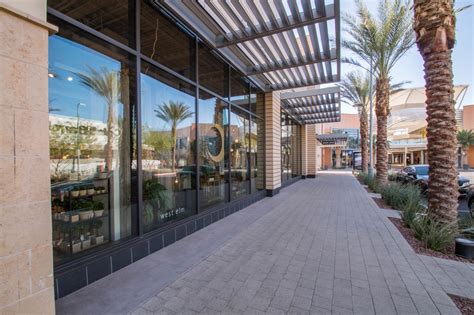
column 26, row 261
column 272, row 141
column 311, row 150
column 304, row 151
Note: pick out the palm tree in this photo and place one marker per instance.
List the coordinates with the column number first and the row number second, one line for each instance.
column 173, row 113
column 380, row 41
column 465, row 139
column 355, row 91
column 434, row 26
column 106, row 84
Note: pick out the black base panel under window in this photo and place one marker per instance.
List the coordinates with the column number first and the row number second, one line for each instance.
column 78, row 274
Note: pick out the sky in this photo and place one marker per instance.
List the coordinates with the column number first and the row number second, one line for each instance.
column 410, row 67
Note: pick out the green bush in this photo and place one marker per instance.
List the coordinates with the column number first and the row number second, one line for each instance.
column 401, row 196
column 433, row 234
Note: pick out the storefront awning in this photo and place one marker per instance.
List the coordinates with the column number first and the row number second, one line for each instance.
column 278, row 44
column 313, row 106
column 332, row 139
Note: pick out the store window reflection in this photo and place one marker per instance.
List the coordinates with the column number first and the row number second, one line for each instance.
column 285, row 147
column 168, row 148
column 90, row 143
column 213, row 150
column 257, row 159
column 239, row 153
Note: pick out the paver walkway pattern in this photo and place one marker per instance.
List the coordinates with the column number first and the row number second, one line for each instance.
column 320, row 246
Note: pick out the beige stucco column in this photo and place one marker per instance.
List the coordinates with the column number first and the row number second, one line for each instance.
column 338, row 157
column 26, row 260
column 271, row 101
column 304, row 152
column 311, row 150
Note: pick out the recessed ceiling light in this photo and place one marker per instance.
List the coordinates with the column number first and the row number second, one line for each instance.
column 51, row 75
column 70, row 79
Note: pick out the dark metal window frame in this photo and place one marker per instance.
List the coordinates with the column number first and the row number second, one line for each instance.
column 137, row 216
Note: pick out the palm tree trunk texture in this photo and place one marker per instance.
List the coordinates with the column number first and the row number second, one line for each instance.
column 110, row 135
column 434, row 27
column 173, row 148
column 381, row 110
column 364, row 134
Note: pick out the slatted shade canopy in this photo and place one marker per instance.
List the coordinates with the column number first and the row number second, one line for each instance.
column 281, row 44
column 314, row 106
column 332, row 139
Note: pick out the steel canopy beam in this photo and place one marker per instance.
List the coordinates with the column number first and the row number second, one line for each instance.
column 312, row 92
column 292, row 23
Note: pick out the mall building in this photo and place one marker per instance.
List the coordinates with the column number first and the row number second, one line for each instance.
column 128, row 125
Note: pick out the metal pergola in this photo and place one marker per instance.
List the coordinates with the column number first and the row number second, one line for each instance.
column 280, row 44
column 314, row 106
column 332, row 140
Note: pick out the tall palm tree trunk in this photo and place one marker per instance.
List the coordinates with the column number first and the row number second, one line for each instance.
column 173, row 148
column 110, row 135
column 364, row 134
column 434, row 27
column 382, row 92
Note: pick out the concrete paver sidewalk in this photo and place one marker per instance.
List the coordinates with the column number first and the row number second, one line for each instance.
column 320, row 246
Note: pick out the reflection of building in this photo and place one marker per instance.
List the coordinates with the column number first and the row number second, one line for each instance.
column 406, row 126
column 345, row 136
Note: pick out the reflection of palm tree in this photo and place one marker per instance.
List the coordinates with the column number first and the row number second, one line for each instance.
column 173, row 113
column 106, row 84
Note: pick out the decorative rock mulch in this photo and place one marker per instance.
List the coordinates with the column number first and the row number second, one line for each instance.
column 465, row 305
column 419, row 248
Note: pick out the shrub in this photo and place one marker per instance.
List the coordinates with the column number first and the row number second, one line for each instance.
column 433, row 234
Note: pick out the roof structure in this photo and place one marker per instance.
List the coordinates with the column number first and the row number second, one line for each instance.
column 280, row 44
column 332, row 139
column 315, row 106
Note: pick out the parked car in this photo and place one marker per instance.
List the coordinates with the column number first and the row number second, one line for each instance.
column 470, row 200
column 418, row 175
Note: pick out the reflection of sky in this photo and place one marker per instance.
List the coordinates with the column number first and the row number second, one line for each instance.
column 153, row 94
column 65, row 59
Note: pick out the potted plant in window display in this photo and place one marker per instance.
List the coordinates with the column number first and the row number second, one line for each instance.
column 75, row 192
column 90, row 189
column 97, row 238
column 98, row 208
column 83, row 191
column 155, row 199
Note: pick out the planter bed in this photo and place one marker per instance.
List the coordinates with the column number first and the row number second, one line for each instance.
column 465, row 305
column 381, row 203
column 418, row 247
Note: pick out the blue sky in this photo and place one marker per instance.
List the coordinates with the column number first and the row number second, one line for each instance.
column 410, row 67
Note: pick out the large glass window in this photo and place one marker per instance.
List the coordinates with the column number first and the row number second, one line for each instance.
column 213, row 150
column 285, row 147
column 90, row 105
column 110, row 17
column 239, row 153
column 213, row 72
column 239, row 90
column 257, row 154
column 168, row 147
column 165, row 42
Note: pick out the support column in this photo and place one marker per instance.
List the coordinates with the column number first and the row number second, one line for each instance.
column 26, row 259
column 272, row 143
column 311, row 150
column 304, row 152
column 338, row 157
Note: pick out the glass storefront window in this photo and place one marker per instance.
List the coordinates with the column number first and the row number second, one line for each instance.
column 213, row 73
column 90, row 105
column 239, row 153
column 257, row 157
column 168, row 148
column 239, row 90
column 110, row 17
column 213, row 150
column 165, row 42
column 285, row 147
